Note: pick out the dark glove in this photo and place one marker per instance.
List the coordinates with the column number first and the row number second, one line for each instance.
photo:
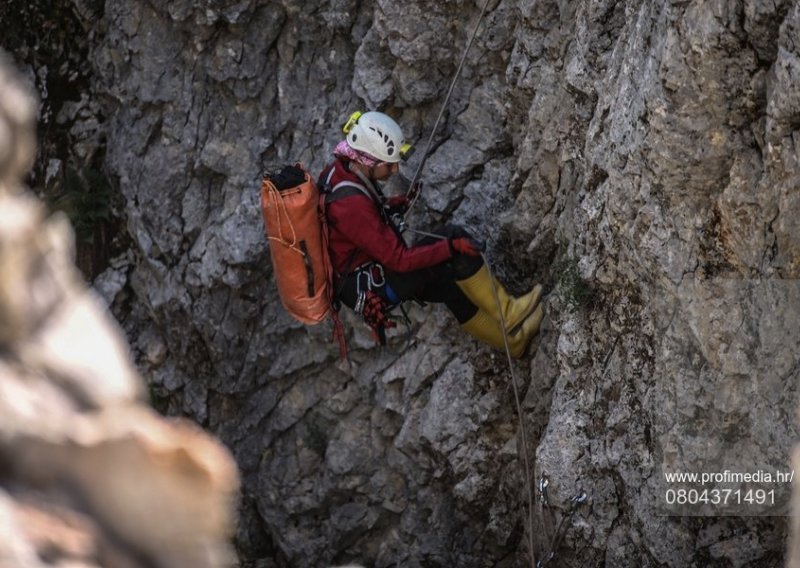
column 465, row 245
column 396, row 208
column 396, row 205
column 414, row 192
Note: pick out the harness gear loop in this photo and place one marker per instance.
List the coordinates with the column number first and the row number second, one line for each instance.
column 373, row 307
column 374, row 312
column 425, row 154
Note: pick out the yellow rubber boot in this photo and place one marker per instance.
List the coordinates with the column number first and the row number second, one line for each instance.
column 486, row 329
column 478, row 288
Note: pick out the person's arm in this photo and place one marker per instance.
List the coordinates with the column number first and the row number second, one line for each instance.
column 356, row 218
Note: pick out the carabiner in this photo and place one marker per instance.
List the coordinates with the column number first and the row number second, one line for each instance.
column 371, row 275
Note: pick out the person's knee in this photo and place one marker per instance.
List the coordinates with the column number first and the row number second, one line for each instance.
column 407, row 285
column 465, row 266
column 458, row 303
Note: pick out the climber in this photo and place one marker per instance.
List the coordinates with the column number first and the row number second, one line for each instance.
column 374, row 268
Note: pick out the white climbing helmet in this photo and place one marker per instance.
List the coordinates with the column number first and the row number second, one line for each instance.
column 377, row 135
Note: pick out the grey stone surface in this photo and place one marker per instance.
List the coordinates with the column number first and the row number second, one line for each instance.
column 640, row 158
column 89, row 474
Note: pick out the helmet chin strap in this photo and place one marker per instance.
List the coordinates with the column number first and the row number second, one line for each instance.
column 367, row 179
column 361, row 170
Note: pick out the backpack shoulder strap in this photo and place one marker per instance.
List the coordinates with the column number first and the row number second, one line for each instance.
column 364, row 187
column 343, row 192
column 346, row 189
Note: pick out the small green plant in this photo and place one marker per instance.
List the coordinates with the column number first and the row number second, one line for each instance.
column 575, row 290
column 85, row 196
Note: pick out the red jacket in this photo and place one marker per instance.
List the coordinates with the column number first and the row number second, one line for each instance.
column 359, row 233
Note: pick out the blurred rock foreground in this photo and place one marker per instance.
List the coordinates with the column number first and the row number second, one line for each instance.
column 639, row 157
column 89, row 474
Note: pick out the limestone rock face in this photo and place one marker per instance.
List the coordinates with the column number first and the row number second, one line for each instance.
column 639, row 157
column 89, row 475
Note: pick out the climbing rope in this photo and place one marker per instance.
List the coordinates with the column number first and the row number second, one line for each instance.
column 576, row 500
column 411, row 188
column 522, row 430
column 414, row 194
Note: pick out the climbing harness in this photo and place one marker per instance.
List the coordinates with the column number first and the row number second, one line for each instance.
column 558, row 535
column 369, row 277
column 412, row 197
column 373, row 309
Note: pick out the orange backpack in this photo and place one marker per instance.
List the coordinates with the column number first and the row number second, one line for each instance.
column 297, row 230
column 294, row 219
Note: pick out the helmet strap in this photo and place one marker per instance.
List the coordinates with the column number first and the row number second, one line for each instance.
column 369, row 182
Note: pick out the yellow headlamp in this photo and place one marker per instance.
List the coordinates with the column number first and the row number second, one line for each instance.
column 406, row 151
column 351, row 122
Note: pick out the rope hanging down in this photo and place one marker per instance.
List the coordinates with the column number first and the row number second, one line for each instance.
column 522, row 430
column 411, row 191
column 414, row 195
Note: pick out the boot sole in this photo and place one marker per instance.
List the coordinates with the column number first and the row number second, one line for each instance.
column 534, row 304
column 538, row 314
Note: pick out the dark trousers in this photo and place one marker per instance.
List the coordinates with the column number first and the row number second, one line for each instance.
column 433, row 284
